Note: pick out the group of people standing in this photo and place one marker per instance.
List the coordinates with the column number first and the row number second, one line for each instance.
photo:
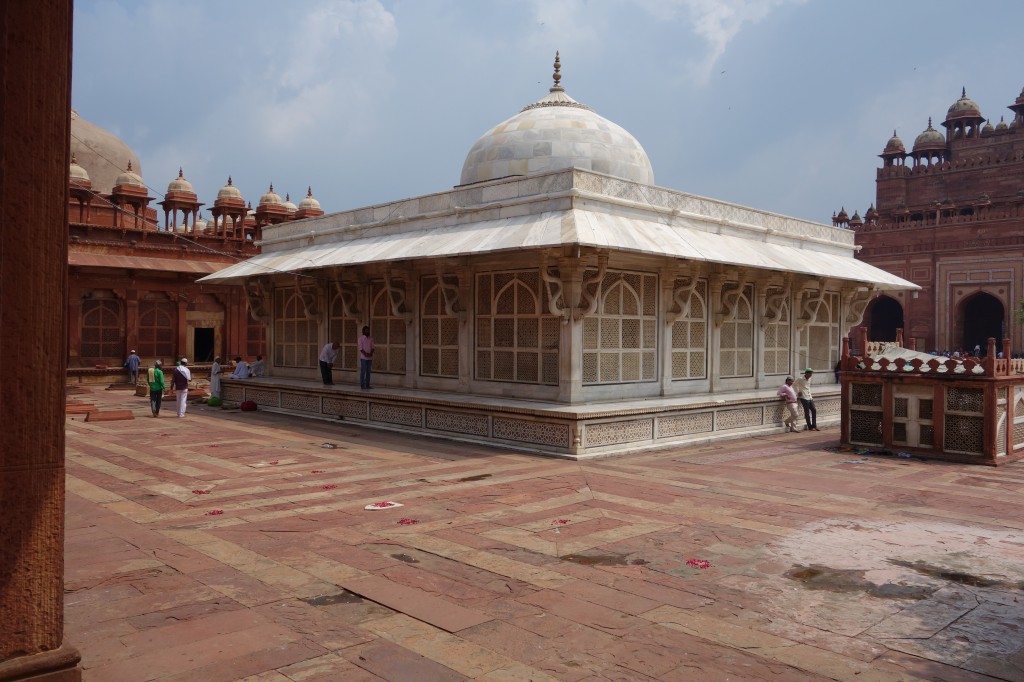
column 181, row 375
column 329, row 354
column 799, row 390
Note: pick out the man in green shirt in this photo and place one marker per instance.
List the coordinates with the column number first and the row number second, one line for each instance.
column 155, row 378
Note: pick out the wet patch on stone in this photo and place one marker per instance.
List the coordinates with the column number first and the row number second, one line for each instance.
column 343, row 597
column 603, row 560
column 478, row 477
column 405, row 557
column 816, row 577
column 958, row 577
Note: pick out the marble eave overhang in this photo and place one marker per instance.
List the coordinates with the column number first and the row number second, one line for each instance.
column 590, row 210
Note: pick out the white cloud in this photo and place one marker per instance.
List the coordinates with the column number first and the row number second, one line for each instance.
column 718, row 22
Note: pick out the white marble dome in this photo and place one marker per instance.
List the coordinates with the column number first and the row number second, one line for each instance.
column 270, row 198
column 77, row 174
column 229, row 191
column 554, row 133
column 180, row 184
column 129, row 178
column 309, row 202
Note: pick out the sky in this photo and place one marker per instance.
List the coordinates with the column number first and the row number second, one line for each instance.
column 781, row 105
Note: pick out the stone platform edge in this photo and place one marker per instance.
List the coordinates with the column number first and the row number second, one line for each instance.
column 551, row 432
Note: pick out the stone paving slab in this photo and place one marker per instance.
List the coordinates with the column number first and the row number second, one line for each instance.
column 234, row 546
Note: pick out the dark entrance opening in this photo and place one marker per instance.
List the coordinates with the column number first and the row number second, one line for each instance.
column 984, row 317
column 885, row 318
column 202, row 344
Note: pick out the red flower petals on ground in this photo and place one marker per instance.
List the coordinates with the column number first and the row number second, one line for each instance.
column 275, row 461
column 317, row 471
column 330, row 486
column 214, row 512
column 200, row 492
column 698, row 563
column 560, row 522
column 407, row 522
column 382, row 505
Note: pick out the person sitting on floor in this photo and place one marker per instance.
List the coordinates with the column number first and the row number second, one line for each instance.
column 241, row 369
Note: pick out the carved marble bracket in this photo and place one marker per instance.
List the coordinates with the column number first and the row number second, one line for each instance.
column 452, row 305
column 553, row 287
column 810, row 304
column 571, row 284
column 856, row 302
column 349, row 300
column 308, row 294
column 259, row 299
column 396, row 297
column 731, row 292
column 682, row 292
column 775, row 304
column 592, row 300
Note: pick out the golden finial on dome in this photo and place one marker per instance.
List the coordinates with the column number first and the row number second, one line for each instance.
column 557, row 75
column 181, row 173
column 309, row 190
column 129, row 169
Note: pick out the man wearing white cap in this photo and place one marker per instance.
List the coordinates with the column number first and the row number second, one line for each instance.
column 179, row 379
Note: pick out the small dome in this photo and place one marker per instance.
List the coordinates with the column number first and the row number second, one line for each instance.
column 1002, row 124
column 930, row 138
column 288, row 205
column 309, row 202
column 894, row 145
column 180, row 184
column 270, row 197
column 843, row 215
column 199, row 225
column 229, row 191
column 987, row 128
column 554, row 133
column 965, row 107
column 77, row 174
column 129, row 177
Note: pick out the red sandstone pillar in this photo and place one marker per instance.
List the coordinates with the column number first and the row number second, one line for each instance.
column 35, row 88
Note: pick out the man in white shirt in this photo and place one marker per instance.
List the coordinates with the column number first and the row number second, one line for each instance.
column 179, row 379
column 788, row 396
column 258, row 368
column 803, row 392
column 328, row 355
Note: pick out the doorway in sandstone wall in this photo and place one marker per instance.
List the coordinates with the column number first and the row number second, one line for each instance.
column 203, row 343
column 983, row 317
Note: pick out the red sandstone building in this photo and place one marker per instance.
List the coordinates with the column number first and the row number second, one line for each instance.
column 132, row 277
column 949, row 216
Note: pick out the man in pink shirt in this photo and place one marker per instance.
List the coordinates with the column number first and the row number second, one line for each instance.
column 365, row 357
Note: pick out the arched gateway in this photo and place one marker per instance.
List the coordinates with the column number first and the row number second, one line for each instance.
column 982, row 316
column 884, row 318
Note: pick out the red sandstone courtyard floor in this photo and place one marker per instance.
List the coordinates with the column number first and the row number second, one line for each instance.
column 236, row 546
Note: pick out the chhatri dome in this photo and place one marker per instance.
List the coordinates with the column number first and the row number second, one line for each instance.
column 555, row 133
